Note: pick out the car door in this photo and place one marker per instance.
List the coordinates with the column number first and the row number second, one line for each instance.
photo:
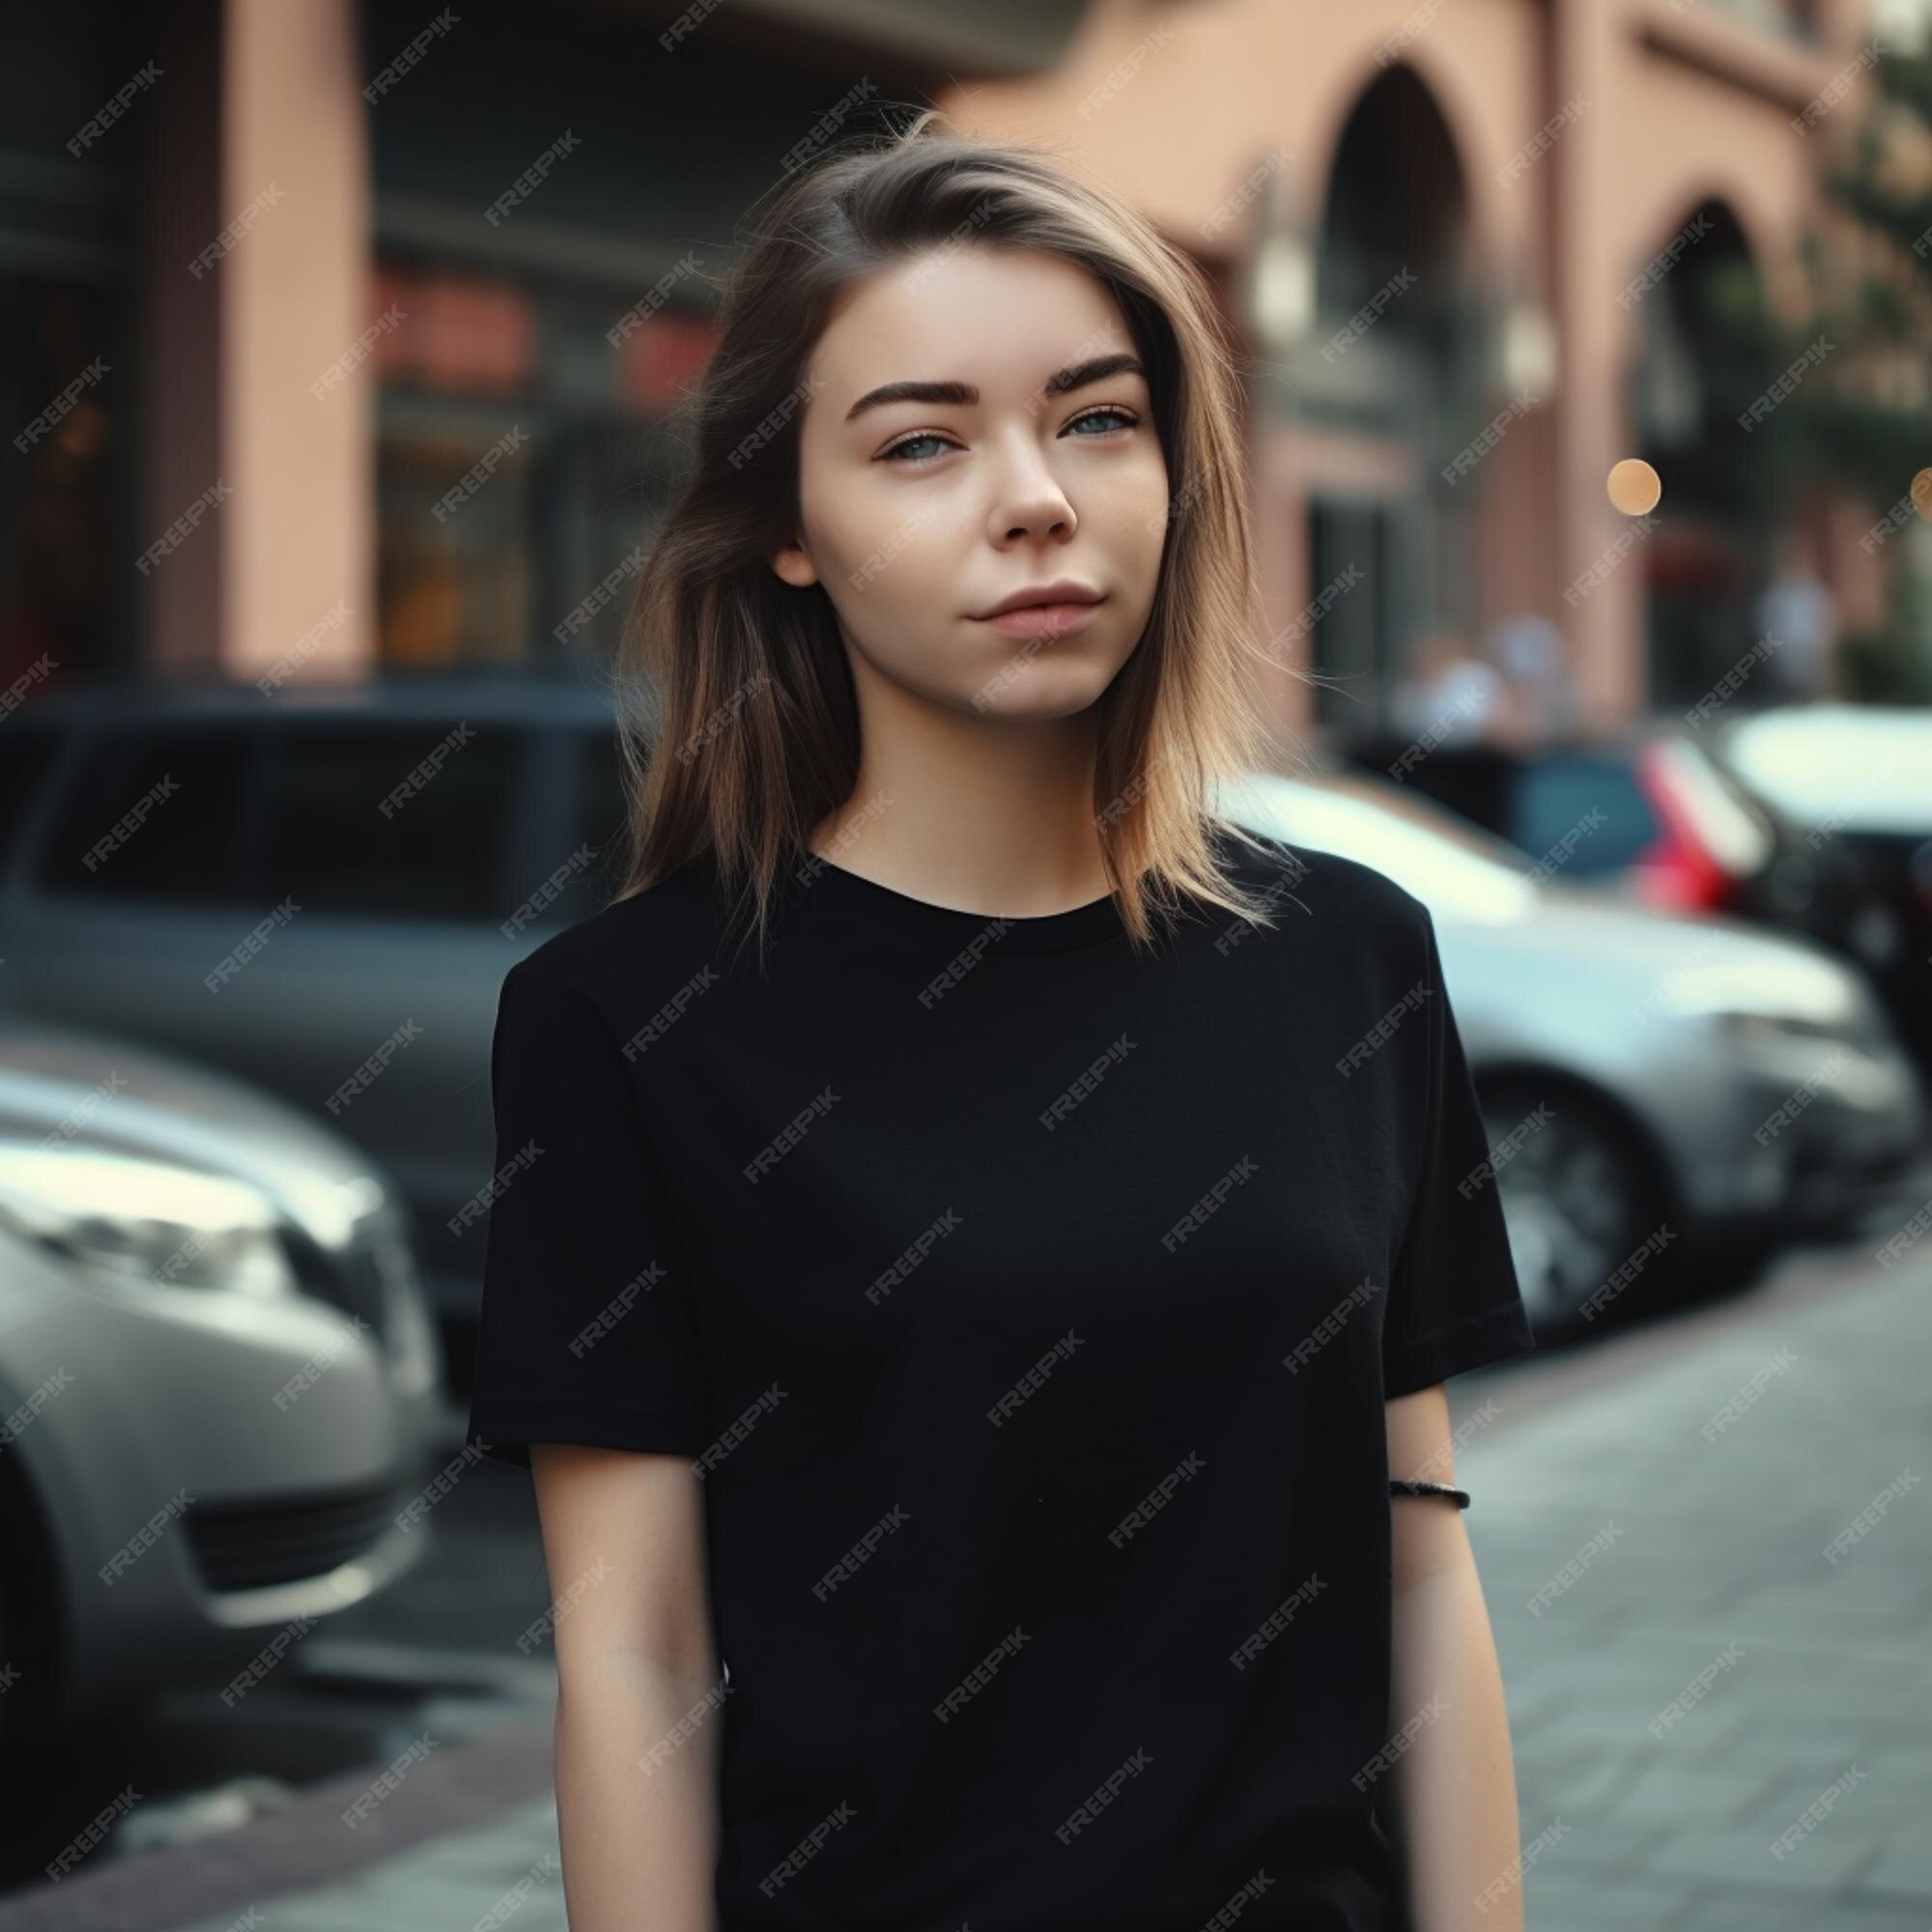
column 403, row 843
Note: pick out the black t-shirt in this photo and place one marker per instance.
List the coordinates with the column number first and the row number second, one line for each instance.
column 1030, row 1307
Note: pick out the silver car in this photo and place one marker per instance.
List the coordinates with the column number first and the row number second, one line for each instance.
column 219, row 1389
column 1699, row 1076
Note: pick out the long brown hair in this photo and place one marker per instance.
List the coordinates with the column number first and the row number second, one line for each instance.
column 737, row 717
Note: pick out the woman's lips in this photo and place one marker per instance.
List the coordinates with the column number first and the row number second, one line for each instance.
column 1044, row 620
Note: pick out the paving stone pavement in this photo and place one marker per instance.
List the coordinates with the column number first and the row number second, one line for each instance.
column 507, row 1867
column 1716, row 1723
column 1716, row 1726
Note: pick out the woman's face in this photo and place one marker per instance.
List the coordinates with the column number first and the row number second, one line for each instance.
column 1026, row 459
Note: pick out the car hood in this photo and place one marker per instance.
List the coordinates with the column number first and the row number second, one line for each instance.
column 1759, row 971
column 100, row 1091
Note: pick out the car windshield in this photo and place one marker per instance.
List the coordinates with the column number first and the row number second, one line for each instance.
column 1454, row 870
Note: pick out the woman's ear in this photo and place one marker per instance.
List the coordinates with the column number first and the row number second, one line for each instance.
column 794, row 566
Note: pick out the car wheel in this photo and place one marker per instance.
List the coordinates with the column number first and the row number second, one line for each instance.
column 29, row 1618
column 1580, row 1193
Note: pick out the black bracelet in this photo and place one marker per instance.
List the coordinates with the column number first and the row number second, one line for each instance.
column 1402, row 1486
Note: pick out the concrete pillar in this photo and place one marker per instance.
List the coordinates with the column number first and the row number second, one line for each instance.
column 263, row 406
column 1606, row 623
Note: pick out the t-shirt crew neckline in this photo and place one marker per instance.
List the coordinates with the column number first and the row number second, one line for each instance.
column 1088, row 925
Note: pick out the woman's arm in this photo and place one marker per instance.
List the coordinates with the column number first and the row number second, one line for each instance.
column 636, row 1669
column 1453, row 1785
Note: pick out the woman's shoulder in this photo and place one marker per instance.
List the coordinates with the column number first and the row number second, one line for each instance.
column 636, row 938
column 1290, row 874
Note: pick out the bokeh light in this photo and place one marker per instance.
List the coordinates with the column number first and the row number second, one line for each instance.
column 1635, row 487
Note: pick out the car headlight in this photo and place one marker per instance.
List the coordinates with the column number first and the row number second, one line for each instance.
column 1745, row 1027
column 1767, row 998
column 144, row 1221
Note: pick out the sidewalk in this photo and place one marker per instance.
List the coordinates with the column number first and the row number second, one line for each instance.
column 1690, row 1678
column 1700, row 1598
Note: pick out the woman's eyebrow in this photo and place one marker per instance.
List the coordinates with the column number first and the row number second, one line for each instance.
column 963, row 395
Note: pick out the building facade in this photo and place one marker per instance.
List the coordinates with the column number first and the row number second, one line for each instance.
column 347, row 332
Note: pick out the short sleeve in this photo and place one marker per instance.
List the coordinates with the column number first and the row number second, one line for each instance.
column 584, row 1333
column 1453, row 1302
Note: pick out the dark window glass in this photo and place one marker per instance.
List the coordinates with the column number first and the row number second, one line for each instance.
column 600, row 826
column 26, row 756
column 155, row 814
column 1556, row 796
column 404, row 820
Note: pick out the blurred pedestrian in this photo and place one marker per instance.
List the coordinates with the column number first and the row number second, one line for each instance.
column 1448, row 695
column 1798, row 618
column 1528, row 652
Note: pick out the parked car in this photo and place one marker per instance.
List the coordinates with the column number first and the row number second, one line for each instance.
column 1857, row 783
column 218, row 1380
column 268, row 915
column 320, row 892
column 1654, row 817
column 1701, row 1076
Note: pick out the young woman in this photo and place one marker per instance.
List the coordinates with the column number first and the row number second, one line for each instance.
column 963, row 1348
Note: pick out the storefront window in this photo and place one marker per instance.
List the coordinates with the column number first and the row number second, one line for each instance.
column 519, row 461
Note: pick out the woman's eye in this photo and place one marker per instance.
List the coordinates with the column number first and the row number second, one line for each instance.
column 898, row 450
column 1107, row 417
